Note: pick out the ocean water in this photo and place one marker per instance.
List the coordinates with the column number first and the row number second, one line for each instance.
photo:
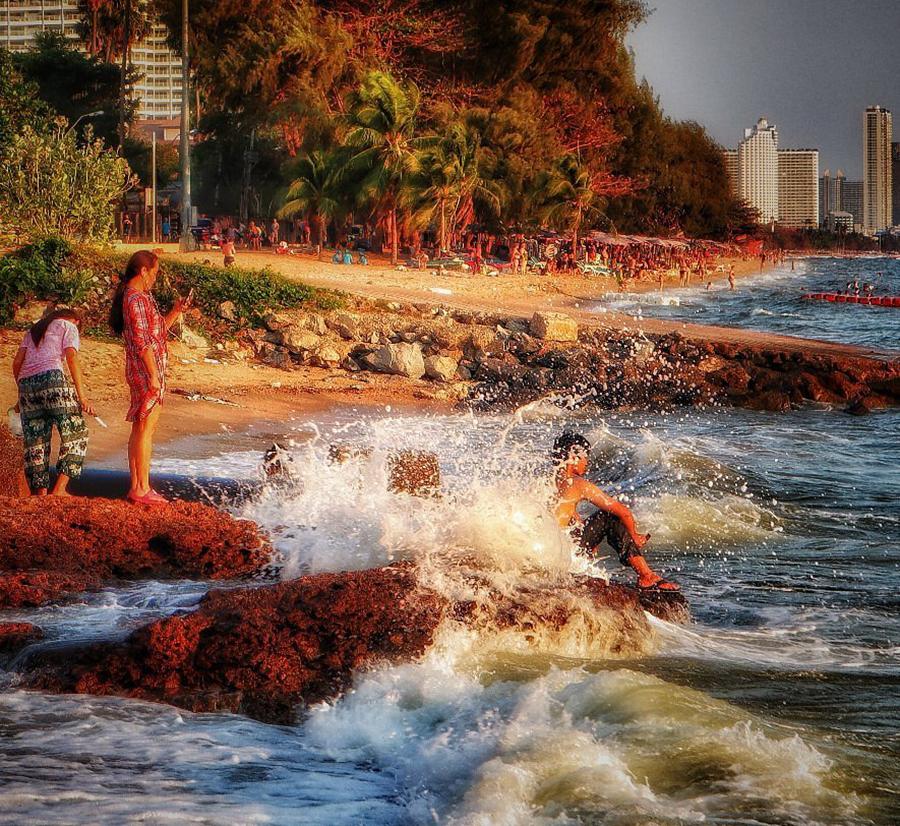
column 777, row 705
column 773, row 302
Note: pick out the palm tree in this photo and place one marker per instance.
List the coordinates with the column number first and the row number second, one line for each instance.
column 451, row 181
column 314, row 192
column 383, row 143
column 569, row 194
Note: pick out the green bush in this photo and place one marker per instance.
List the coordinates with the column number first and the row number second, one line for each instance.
column 254, row 293
column 39, row 271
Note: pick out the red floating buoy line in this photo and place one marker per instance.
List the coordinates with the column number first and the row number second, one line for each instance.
column 870, row 300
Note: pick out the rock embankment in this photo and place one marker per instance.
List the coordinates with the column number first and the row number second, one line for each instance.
column 611, row 369
column 494, row 361
column 50, row 547
column 265, row 651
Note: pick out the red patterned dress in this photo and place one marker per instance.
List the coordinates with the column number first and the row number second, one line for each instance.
column 144, row 327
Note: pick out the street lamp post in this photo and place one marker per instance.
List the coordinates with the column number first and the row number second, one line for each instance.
column 186, row 243
column 86, row 115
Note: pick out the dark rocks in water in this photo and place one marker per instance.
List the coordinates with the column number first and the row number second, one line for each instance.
column 415, row 472
column 617, row 370
column 264, row 651
column 14, row 636
column 51, row 545
column 773, row 401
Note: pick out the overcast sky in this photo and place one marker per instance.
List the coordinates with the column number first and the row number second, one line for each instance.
column 809, row 66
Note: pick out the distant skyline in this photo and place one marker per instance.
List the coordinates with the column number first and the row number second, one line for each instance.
column 809, row 66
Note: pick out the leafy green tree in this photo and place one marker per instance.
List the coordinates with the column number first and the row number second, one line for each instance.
column 50, row 184
column 314, row 191
column 139, row 154
column 20, row 105
column 73, row 84
column 384, row 145
column 450, row 182
column 570, row 194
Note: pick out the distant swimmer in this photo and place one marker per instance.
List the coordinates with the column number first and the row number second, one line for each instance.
column 613, row 521
column 731, row 277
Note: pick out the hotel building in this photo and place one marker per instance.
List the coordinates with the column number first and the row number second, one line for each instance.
column 895, row 174
column 798, row 188
column 730, row 157
column 159, row 87
column 758, row 169
column 877, row 178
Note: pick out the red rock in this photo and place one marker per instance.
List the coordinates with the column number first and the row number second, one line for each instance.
column 29, row 589
column 772, row 400
column 50, row 545
column 16, row 635
column 263, row 651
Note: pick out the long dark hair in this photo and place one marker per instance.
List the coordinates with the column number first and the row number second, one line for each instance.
column 142, row 259
column 39, row 328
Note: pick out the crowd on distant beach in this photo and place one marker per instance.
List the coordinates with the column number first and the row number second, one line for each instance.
column 625, row 258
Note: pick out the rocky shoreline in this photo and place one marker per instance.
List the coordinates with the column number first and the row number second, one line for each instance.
column 495, row 362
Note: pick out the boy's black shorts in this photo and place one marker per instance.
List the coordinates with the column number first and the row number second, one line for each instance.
column 602, row 525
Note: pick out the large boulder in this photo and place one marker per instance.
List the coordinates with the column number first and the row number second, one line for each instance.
column 51, row 545
column 554, row 327
column 265, row 651
column 346, row 325
column 441, row 368
column 299, row 340
column 193, row 340
column 398, row 359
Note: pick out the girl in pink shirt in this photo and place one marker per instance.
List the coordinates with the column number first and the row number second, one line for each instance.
column 47, row 397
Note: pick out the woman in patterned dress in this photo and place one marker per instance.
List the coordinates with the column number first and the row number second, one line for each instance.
column 48, row 398
column 136, row 316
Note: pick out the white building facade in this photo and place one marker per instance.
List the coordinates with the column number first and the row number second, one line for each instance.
column 158, row 89
column 798, row 188
column 758, row 169
column 878, row 131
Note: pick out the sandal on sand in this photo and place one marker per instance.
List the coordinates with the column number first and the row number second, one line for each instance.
column 661, row 585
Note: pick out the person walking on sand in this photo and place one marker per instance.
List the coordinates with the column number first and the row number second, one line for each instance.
column 48, row 398
column 612, row 520
column 731, row 277
column 135, row 316
column 227, row 247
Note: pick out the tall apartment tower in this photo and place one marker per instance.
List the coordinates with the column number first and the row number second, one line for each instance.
column 159, row 88
column 825, row 195
column 852, row 201
column 798, row 188
column 877, row 189
column 895, row 189
column 758, row 163
column 733, row 169
column 837, row 192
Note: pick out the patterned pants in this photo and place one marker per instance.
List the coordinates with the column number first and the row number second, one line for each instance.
column 45, row 400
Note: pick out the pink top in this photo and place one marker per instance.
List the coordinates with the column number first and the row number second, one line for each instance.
column 60, row 336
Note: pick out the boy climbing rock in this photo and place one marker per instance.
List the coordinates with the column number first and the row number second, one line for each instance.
column 612, row 520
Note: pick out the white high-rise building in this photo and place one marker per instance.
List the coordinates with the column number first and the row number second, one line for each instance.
column 798, row 188
column 878, row 133
column 159, row 88
column 758, row 164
